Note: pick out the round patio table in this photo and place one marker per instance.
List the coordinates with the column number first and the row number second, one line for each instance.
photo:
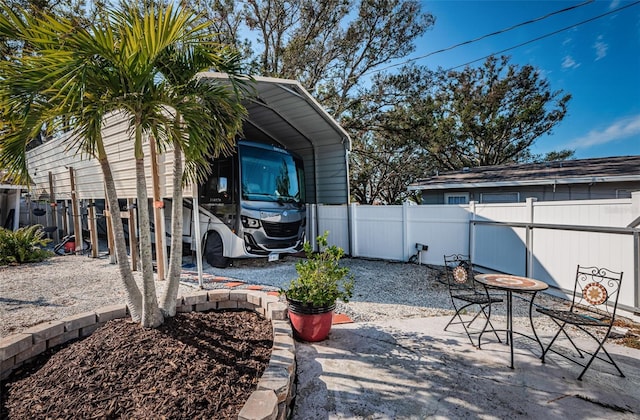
column 510, row 284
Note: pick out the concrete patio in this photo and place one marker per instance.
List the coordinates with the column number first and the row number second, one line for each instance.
column 412, row 369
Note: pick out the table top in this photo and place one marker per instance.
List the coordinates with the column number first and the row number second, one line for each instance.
column 510, row 282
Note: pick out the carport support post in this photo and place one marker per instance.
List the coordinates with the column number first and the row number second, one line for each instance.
column 196, row 232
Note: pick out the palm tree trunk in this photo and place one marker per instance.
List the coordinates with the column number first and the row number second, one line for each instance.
column 168, row 300
column 151, row 315
column 134, row 297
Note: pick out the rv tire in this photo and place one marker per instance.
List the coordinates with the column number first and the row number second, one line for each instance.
column 214, row 251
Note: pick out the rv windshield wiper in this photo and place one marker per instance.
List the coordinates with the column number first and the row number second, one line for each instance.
column 287, row 199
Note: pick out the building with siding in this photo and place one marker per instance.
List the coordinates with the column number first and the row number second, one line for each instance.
column 580, row 179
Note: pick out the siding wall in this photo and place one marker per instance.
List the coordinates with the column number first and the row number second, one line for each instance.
column 596, row 191
column 57, row 155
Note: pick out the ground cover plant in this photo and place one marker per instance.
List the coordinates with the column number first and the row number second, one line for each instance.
column 25, row 245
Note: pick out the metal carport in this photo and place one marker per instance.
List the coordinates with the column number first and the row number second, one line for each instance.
column 284, row 112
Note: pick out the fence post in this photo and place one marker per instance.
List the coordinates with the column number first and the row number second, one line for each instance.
column 405, row 232
column 353, row 240
column 529, row 237
column 472, row 231
column 635, row 210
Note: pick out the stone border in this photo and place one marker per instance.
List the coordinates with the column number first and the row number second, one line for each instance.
column 270, row 401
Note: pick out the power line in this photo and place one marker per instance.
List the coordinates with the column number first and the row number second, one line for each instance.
column 501, row 31
column 546, row 35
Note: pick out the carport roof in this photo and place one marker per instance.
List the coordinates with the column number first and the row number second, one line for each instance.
column 283, row 111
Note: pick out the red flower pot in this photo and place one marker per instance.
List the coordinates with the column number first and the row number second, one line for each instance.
column 310, row 323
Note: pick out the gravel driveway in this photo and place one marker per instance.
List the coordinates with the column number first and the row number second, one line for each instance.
column 63, row 286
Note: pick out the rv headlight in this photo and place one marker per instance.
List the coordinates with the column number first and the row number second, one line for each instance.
column 250, row 222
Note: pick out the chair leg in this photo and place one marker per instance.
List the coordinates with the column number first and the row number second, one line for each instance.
column 488, row 323
column 466, row 324
column 463, row 322
column 457, row 314
column 612, row 361
column 544, row 353
column 594, row 355
column 570, row 340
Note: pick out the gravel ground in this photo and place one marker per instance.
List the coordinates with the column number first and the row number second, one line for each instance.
column 67, row 285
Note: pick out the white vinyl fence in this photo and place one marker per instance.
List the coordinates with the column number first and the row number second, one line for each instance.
column 543, row 240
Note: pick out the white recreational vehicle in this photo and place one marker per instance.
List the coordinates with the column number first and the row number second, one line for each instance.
column 255, row 202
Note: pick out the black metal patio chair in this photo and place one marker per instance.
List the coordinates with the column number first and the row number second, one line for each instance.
column 466, row 293
column 592, row 311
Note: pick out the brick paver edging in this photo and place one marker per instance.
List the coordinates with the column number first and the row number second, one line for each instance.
column 275, row 390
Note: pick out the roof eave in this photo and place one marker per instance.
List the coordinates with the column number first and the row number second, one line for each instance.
column 526, row 182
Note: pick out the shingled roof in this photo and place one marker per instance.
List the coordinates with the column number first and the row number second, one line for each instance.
column 610, row 169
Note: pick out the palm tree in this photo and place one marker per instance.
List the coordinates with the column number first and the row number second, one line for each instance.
column 193, row 98
column 60, row 88
column 113, row 66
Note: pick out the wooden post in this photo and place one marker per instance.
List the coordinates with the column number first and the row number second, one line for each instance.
column 110, row 236
column 54, row 208
column 133, row 240
column 158, row 205
column 77, row 227
column 93, row 228
column 65, row 218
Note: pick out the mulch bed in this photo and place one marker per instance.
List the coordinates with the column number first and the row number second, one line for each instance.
column 197, row 365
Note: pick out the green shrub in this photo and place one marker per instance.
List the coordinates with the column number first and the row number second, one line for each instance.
column 23, row 246
column 321, row 280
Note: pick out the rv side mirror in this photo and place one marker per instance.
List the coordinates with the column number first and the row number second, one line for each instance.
column 222, row 184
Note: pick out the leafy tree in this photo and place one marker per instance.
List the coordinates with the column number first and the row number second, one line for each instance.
column 386, row 157
column 438, row 120
column 490, row 115
column 329, row 46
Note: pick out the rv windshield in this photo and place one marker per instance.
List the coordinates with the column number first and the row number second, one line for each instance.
column 270, row 175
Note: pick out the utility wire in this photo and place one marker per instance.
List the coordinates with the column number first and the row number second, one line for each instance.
column 546, row 35
column 501, row 31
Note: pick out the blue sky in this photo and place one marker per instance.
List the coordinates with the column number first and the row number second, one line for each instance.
column 597, row 62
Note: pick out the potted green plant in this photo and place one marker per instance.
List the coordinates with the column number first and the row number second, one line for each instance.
column 313, row 294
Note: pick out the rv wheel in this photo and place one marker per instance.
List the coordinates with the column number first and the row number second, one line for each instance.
column 213, row 251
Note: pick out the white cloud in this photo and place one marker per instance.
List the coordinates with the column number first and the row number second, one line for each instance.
column 601, row 48
column 569, row 63
column 618, row 130
column 614, row 4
